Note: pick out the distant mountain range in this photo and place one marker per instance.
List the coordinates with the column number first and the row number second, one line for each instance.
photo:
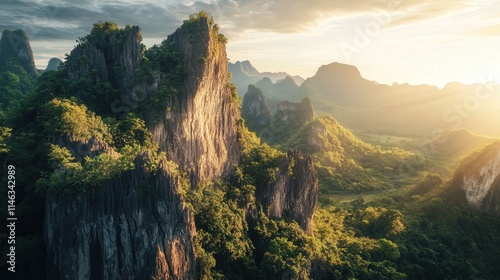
column 397, row 109
column 244, row 74
column 401, row 108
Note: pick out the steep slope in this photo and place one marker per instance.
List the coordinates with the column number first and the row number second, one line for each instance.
column 17, row 68
column 287, row 85
column 345, row 163
column 15, row 49
column 141, row 227
column 294, row 193
column 200, row 134
column 478, row 175
column 254, row 109
column 114, row 211
column 266, row 85
column 289, row 118
column 122, row 228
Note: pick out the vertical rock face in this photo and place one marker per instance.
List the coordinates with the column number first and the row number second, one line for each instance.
column 201, row 133
column 295, row 114
column 255, row 110
column 289, row 118
column 115, row 60
column 15, row 49
column 480, row 179
column 122, row 231
column 135, row 226
column 294, row 194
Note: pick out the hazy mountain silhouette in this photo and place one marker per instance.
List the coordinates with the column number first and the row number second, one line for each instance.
column 401, row 109
column 244, row 74
column 54, row 63
column 277, row 92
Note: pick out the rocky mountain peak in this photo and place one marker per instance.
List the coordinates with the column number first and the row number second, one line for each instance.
column 479, row 176
column 254, row 109
column 200, row 134
column 265, row 84
column 287, row 85
column 295, row 114
column 294, row 194
column 15, row 49
column 339, row 70
column 108, row 54
column 53, row 64
column 248, row 68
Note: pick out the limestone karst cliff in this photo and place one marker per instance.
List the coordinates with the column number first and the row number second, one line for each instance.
column 15, row 49
column 295, row 114
column 122, row 230
column 294, row 194
column 479, row 177
column 288, row 118
column 112, row 57
column 135, row 222
column 111, row 212
column 254, row 109
column 200, row 133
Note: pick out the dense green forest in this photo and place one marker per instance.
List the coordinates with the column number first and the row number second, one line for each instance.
column 418, row 224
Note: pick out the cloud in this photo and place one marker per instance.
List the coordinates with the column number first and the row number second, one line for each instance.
column 288, row 16
column 486, row 31
column 47, row 19
column 52, row 21
column 417, row 12
column 65, row 19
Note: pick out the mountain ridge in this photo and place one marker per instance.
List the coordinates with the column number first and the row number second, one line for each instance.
column 244, row 73
column 396, row 109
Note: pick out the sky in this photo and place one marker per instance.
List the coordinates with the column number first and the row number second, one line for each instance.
column 403, row 41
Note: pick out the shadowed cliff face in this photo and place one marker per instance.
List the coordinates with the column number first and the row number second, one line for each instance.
column 135, row 226
column 122, row 229
column 480, row 179
column 295, row 114
column 15, row 49
column 294, row 194
column 200, row 134
column 255, row 110
column 115, row 60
